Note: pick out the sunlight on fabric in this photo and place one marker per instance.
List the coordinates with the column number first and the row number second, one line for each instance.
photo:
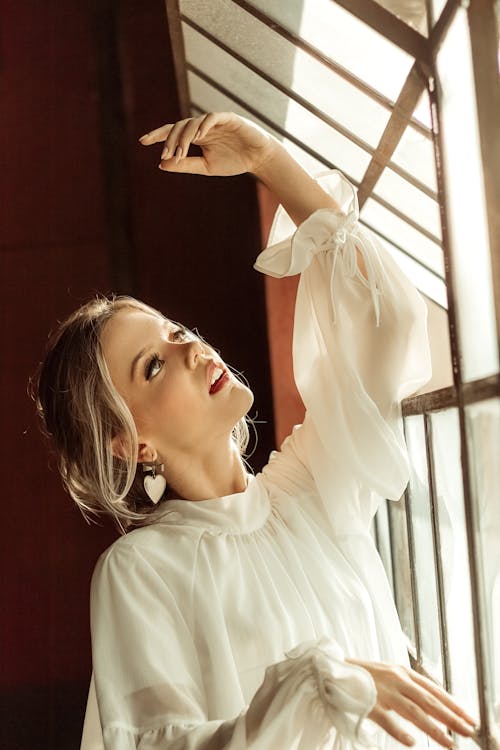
column 466, row 206
column 454, row 556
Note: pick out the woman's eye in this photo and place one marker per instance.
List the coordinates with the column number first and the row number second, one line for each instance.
column 179, row 334
column 154, row 366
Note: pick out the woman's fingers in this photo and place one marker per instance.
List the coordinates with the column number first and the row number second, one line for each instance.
column 384, row 719
column 418, row 700
column 443, row 696
column 418, row 716
column 438, row 706
column 177, row 136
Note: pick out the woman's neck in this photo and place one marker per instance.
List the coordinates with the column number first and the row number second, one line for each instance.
column 218, row 472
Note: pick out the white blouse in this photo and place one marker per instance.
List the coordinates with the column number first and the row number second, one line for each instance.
column 224, row 625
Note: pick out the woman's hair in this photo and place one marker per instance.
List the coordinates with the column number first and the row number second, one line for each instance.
column 81, row 411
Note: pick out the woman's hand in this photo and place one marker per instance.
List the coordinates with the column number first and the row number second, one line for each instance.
column 231, row 145
column 417, row 699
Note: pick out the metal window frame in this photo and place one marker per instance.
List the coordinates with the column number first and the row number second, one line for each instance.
column 484, row 45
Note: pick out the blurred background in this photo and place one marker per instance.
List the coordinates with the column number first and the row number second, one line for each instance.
column 84, row 209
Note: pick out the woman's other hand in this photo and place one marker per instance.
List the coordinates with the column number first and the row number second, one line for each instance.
column 417, row 699
column 230, row 144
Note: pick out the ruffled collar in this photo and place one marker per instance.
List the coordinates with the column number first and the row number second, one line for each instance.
column 239, row 513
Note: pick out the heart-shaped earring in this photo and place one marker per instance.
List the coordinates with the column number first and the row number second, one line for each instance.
column 154, row 484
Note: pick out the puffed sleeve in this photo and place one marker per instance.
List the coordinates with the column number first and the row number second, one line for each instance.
column 360, row 346
column 150, row 691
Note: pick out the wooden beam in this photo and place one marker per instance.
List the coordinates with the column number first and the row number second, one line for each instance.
column 398, row 122
column 483, row 26
column 178, row 54
column 389, row 26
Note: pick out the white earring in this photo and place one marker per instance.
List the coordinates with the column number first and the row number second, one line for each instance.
column 154, row 484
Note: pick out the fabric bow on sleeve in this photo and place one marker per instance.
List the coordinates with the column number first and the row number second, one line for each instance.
column 326, row 230
column 360, row 345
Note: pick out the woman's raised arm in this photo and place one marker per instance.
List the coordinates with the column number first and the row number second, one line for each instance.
column 232, row 145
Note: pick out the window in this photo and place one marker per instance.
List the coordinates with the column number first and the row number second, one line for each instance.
column 404, row 98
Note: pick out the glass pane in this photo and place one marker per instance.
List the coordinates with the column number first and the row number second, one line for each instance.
column 424, row 546
column 426, row 281
column 412, row 12
column 289, row 65
column 422, row 112
column 345, row 39
column 436, row 9
column 421, row 247
column 205, row 98
column 412, row 202
column 402, row 575
column 333, row 147
column 466, row 208
column 383, row 539
column 483, row 428
column 454, row 557
column 415, row 154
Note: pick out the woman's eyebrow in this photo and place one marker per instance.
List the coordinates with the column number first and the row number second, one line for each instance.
column 165, row 324
column 136, row 360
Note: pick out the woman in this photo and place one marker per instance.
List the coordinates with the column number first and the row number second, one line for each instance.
column 249, row 611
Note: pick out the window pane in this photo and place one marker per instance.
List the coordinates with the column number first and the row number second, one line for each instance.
column 410, row 200
column 422, row 111
column 466, row 208
column 424, row 546
column 402, row 575
column 413, row 13
column 338, row 150
column 483, row 427
column 383, row 539
column 289, row 65
column 421, row 247
column 347, row 40
column 454, row 557
column 426, row 281
column 415, row 154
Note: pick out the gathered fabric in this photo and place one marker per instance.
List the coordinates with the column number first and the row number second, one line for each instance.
column 227, row 623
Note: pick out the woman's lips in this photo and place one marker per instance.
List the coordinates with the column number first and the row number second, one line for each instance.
column 220, row 383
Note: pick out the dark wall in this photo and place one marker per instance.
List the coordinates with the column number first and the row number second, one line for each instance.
column 83, row 209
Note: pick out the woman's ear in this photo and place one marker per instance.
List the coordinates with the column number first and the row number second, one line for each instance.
column 119, row 448
column 146, row 454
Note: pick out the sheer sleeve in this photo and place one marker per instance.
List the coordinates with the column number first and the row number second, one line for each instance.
column 360, row 346
column 150, row 690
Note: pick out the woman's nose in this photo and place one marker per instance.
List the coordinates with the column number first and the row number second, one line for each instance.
column 194, row 353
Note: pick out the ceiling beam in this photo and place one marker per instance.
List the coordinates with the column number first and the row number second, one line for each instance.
column 389, row 26
column 398, row 122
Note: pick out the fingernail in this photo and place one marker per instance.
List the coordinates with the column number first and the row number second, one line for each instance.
column 198, row 135
column 164, row 153
column 178, row 152
column 160, row 166
column 409, row 739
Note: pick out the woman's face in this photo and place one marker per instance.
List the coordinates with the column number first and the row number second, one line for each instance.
column 165, row 376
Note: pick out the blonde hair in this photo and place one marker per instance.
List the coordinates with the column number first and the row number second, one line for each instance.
column 81, row 411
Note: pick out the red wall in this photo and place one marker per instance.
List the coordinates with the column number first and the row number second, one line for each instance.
column 191, row 238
